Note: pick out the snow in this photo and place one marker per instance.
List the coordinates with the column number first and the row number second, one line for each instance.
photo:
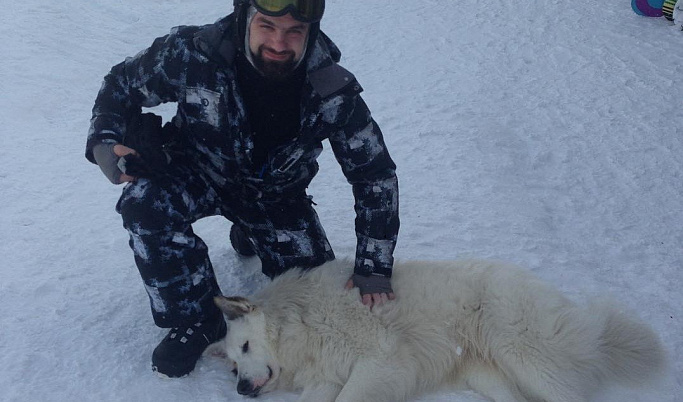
column 543, row 133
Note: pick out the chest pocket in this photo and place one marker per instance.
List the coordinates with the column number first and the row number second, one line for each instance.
column 206, row 103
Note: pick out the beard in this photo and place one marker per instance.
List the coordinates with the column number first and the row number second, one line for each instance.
column 272, row 69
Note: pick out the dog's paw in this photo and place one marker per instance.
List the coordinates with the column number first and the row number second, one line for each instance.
column 216, row 349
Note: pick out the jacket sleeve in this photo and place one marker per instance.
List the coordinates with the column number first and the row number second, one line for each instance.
column 359, row 148
column 146, row 80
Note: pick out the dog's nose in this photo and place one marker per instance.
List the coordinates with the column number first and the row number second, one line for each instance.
column 244, row 387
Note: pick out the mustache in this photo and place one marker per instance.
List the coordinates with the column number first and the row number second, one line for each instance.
column 275, row 69
column 271, row 50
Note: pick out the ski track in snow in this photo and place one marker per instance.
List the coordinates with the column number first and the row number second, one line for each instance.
column 545, row 133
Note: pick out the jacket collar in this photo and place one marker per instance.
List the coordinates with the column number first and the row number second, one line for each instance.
column 215, row 41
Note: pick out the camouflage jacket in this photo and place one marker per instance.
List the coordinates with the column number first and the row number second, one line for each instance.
column 193, row 66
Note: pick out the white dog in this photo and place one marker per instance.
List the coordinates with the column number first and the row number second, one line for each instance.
column 482, row 325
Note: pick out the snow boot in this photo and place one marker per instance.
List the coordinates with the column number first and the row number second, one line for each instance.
column 178, row 353
column 240, row 242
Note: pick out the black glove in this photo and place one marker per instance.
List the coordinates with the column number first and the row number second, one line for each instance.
column 372, row 284
column 148, row 165
column 147, row 137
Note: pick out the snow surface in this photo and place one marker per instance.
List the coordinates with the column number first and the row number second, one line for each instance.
column 541, row 132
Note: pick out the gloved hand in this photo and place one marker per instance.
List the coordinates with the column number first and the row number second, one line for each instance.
column 374, row 289
column 149, row 164
column 372, row 284
column 146, row 137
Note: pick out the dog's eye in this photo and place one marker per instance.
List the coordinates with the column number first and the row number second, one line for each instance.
column 245, row 347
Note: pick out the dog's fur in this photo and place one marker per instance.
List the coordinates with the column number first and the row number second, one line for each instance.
column 482, row 325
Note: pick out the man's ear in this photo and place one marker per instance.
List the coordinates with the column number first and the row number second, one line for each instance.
column 234, row 307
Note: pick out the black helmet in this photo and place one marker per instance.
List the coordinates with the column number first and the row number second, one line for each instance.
column 308, row 11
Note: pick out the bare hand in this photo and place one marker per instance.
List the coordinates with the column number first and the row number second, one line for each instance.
column 372, row 299
column 120, row 151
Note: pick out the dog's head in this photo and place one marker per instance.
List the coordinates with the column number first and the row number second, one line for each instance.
column 248, row 345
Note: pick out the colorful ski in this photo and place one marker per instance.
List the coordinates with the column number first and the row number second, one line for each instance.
column 648, row 8
column 668, row 9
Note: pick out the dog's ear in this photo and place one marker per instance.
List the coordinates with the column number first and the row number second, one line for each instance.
column 234, row 307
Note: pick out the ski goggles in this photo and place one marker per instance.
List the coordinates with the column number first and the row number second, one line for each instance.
column 308, row 11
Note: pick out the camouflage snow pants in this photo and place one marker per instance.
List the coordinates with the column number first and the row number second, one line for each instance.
column 173, row 261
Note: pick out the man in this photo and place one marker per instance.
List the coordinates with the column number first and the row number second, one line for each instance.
column 257, row 93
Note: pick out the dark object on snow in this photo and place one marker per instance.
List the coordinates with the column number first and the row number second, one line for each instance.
column 240, row 242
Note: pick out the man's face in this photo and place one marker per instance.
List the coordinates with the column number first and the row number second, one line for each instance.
column 277, row 43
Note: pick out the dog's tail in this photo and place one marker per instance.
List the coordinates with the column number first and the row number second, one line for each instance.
column 631, row 351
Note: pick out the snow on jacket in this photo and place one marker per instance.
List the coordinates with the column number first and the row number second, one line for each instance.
column 193, row 66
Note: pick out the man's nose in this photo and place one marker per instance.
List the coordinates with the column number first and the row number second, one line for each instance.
column 279, row 41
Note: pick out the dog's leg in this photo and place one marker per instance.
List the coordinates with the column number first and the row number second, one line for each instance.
column 489, row 382
column 387, row 380
column 326, row 392
column 538, row 380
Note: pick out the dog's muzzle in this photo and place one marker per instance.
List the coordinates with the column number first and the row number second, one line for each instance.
column 247, row 388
